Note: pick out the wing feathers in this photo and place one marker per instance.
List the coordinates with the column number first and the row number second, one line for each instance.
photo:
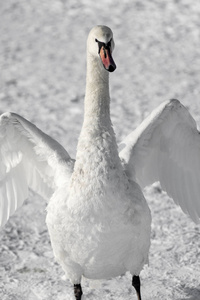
column 28, row 158
column 166, row 148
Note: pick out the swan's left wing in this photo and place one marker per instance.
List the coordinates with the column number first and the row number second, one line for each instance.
column 166, row 148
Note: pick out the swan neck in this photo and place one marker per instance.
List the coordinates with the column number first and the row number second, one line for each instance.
column 98, row 167
column 97, row 96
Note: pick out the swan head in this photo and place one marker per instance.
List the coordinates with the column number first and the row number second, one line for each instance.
column 101, row 44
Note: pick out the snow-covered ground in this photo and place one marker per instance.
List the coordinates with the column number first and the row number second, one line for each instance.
column 42, row 77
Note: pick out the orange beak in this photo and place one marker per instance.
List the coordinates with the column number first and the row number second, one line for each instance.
column 107, row 59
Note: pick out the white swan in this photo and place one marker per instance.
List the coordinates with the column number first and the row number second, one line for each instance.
column 97, row 216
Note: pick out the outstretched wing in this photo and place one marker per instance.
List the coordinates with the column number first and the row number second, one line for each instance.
column 28, row 158
column 166, row 148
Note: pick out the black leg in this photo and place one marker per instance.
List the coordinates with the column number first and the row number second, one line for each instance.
column 77, row 291
column 136, row 285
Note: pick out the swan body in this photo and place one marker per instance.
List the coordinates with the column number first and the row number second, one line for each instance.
column 98, row 219
column 102, row 203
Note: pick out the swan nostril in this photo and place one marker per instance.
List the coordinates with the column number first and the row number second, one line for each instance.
column 104, row 50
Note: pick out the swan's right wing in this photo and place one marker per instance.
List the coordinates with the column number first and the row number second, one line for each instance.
column 28, row 158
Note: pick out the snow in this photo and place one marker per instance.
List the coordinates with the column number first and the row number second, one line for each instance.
column 43, row 63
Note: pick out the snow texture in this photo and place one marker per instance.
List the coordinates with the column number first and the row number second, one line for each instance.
column 43, row 65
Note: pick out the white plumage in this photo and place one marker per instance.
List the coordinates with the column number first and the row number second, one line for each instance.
column 97, row 216
column 166, row 148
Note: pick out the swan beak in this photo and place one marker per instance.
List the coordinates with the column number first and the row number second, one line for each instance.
column 107, row 59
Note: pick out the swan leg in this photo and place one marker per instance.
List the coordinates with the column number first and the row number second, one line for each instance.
column 77, row 291
column 136, row 285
